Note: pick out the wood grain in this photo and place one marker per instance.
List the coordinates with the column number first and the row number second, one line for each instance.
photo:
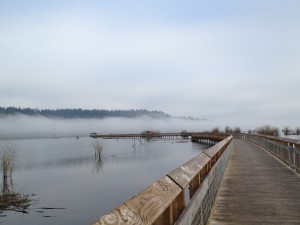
column 186, row 173
column 147, row 206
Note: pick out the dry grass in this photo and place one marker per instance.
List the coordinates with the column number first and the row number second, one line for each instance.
column 14, row 202
column 9, row 200
column 7, row 161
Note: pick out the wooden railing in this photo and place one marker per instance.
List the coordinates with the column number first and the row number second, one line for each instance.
column 285, row 149
column 164, row 202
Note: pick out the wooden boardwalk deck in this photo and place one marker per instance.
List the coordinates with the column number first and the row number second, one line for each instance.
column 256, row 189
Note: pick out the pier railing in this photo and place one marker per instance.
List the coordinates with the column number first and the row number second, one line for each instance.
column 166, row 201
column 285, row 149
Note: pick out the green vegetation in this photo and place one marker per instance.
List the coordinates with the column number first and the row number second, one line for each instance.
column 82, row 113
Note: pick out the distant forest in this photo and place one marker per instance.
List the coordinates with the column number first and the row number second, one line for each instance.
column 82, row 113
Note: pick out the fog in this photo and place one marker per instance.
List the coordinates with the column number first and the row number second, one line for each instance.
column 21, row 126
column 39, row 127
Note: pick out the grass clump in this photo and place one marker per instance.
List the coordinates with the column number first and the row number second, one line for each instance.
column 7, row 161
column 9, row 199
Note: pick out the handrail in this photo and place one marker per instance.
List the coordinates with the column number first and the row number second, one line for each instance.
column 288, row 142
column 164, row 201
column 286, row 150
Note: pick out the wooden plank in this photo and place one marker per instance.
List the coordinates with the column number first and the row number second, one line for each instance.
column 212, row 151
column 147, row 206
column 184, row 174
column 256, row 189
column 120, row 215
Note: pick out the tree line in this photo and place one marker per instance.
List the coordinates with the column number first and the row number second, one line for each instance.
column 265, row 130
column 82, row 113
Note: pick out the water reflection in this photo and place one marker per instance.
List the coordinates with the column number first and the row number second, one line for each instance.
column 57, row 163
column 65, row 174
column 142, row 150
column 97, row 165
column 137, row 145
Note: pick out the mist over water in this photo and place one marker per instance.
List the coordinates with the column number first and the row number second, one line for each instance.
column 40, row 127
column 67, row 184
column 21, row 126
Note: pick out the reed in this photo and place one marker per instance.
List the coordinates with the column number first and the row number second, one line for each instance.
column 98, row 147
column 7, row 161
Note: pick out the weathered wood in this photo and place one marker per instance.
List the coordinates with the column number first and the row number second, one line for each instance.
column 184, row 174
column 190, row 211
column 256, row 189
column 216, row 151
column 189, row 173
column 161, row 200
column 197, row 211
column 120, row 215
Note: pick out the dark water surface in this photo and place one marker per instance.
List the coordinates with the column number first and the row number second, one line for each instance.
column 68, row 186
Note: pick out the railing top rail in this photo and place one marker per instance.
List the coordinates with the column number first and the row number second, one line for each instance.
column 211, row 152
column 284, row 141
column 185, row 173
column 145, row 207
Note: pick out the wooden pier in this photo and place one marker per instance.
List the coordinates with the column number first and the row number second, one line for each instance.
column 256, row 189
column 201, row 137
column 146, row 135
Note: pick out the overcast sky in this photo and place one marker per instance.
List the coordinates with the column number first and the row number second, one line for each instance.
column 225, row 60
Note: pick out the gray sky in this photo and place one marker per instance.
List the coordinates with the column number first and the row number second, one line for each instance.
column 234, row 62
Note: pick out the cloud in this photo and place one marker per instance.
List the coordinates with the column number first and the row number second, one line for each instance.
column 201, row 59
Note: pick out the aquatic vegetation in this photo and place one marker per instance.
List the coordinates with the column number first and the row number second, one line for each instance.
column 7, row 161
column 98, row 147
column 9, row 199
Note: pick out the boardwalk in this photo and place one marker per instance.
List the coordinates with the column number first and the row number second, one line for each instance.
column 256, row 189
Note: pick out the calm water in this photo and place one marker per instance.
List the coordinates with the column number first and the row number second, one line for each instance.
column 68, row 186
column 295, row 137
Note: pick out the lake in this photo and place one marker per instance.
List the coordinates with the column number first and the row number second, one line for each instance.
column 67, row 185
